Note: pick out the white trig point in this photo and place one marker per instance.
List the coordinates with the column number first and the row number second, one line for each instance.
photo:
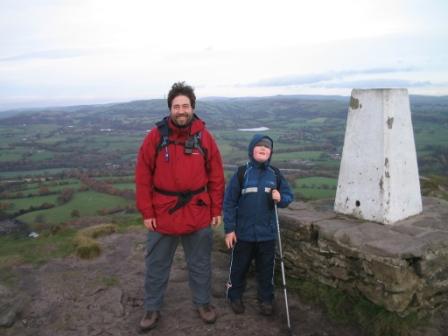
column 378, row 176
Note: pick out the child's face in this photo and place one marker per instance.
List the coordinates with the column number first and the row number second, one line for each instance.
column 261, row 153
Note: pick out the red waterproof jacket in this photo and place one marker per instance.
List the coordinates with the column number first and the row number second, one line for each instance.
column 181, row 172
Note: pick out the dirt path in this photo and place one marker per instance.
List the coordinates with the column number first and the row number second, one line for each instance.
column 69, row 297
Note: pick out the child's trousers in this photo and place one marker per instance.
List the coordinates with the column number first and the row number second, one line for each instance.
column 242, row 254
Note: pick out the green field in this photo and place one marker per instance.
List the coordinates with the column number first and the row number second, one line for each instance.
column 332, row 165
column 317, row 121
column 34, row 188
column 25, row 203
column 88, row 203
column 316, row 187
column 316, row 180
column 314, row 194
column 41, row 155
column 107, row 142
column 124, row 186
column 431, row 135
column 305, row 155
column 53, row 140
column 31, row 173
column 12, row 154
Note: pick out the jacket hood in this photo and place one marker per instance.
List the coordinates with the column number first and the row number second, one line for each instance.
column 256, row 138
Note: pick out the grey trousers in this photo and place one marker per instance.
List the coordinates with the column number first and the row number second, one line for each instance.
column 159, row 256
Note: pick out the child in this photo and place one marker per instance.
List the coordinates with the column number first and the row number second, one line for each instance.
column 250, row 225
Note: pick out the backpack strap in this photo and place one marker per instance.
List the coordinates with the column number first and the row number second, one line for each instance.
column 240, row 174
column 195, row 141
column 164, row 131
column 242, row 171
column 277, row 176
column 197, row 144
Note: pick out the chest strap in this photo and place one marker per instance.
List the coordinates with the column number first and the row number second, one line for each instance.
column 183, row 197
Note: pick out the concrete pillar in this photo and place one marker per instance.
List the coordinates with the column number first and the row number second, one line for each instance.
column 378, row 176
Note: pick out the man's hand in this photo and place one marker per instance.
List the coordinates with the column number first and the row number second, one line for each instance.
column 150, row 224
column 276, row 196
column 216, row 221
column 230, row 239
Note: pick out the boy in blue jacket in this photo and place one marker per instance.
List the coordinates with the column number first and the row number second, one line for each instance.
column 249, row 223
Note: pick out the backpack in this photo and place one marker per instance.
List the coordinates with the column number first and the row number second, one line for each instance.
column 192, row 142
column 242, row 171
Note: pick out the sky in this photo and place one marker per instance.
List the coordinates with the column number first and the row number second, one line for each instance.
column 69, row 52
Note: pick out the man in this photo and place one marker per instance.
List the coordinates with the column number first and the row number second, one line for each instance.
column 179, row 189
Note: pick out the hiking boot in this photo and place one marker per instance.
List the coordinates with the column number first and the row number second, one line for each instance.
column 149, row 320
column 207, row 313
column 237, row 306
column 266, row 308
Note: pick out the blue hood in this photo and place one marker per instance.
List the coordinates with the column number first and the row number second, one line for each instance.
column 256, row 138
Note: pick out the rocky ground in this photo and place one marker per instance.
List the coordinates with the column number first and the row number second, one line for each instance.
column 70, row 296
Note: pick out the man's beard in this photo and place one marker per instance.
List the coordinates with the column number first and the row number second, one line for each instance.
column 183, row 122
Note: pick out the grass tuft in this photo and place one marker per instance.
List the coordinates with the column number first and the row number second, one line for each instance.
column 98, row 230
column 86, row 245
column 127, row 222
column 10, row 261
column 110, row 281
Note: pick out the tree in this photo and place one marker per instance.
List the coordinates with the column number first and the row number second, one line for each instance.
column 44, row 191
column 65, row 196
column 75, row 213
column 6, row 206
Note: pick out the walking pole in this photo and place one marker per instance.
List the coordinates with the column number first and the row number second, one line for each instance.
column 282, row 264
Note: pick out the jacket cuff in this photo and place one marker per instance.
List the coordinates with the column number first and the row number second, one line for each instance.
column 148, row 214
column 216, row 212
column 229, row 228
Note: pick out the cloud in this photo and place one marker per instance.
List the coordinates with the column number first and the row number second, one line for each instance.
column 307, row 79
column 49, row 54
column 377, row 83
column 293, row 80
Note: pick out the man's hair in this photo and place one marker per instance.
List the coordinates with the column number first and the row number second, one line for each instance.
column 181, row 89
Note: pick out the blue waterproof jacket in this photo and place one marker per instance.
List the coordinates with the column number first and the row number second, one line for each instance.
column 249, row 209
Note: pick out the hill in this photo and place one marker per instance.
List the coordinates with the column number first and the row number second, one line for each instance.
column 91, row 149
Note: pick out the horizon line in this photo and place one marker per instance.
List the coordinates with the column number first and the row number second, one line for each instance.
column 26, row 106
